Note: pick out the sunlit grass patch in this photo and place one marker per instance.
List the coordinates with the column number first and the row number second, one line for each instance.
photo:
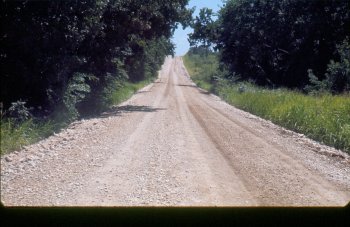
column 202, row 70
column 127, row 90
column 16, row 135
column 325, row 117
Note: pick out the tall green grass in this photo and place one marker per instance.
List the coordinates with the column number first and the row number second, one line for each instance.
column 15, row 136
column 325, row 118
column 126, row 91
column 202, row 70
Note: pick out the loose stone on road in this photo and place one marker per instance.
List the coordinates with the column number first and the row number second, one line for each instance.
column 173, row 144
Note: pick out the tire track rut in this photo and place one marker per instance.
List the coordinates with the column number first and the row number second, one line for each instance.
column 172, row 144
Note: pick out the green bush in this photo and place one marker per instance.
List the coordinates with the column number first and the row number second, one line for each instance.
column 338, row 73
column 337, row 77
column 76, row 91
column 19, row 112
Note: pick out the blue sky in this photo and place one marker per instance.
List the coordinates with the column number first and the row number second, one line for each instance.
column 180, row 35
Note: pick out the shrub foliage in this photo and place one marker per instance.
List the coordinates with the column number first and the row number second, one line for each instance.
column 277, row 42
column 67, row 53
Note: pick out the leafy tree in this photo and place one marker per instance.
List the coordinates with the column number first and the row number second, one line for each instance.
column 204, row 29
column 40, row 47
column 276, row 42
column 46, row 46
column 338, row 73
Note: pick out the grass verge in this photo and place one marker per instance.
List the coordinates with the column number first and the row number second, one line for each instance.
column 202, row 69
column 324, row 118
column 15, row 136
column 127, row 90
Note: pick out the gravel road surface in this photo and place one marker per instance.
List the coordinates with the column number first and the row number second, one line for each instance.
column 173, row 144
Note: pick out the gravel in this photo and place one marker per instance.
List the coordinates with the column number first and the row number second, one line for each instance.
column 173, row 145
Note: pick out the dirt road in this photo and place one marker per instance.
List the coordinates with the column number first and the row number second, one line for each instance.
column 173, row 144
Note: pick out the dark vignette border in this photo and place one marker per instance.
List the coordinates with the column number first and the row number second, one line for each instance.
column 174, row 216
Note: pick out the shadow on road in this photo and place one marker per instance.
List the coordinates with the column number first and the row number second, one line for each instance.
column 139, row 92
column 194, row 86
column 204, row 92
column 117, row 110
column 186, row 85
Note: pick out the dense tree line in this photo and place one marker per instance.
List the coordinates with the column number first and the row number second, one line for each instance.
column 293, row 43
column 70, row 54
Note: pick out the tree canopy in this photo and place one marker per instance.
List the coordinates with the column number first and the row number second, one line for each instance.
column 66, row 53
column 279, row 42
column 204, row 27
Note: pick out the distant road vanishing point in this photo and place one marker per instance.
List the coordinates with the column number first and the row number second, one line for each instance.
column 173, row 144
